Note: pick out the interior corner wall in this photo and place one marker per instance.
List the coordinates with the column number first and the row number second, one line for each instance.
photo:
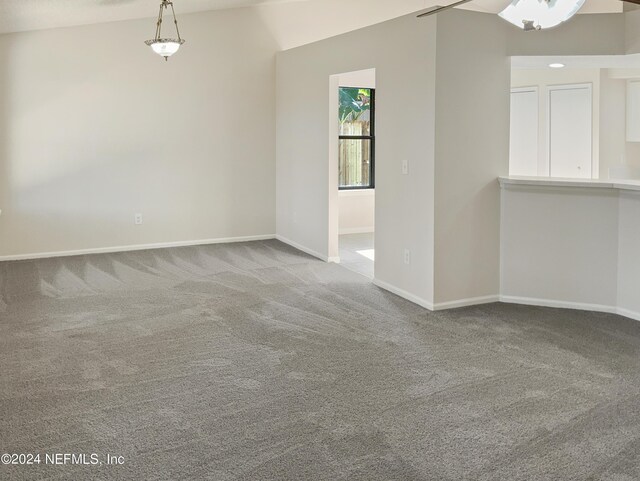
column 403, row 53
column 472, row 150
column 94, row 127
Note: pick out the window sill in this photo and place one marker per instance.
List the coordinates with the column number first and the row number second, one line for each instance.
column 356, row 192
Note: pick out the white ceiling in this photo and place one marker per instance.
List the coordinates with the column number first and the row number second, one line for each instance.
column 21, row 15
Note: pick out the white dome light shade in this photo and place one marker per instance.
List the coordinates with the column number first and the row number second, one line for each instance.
column 539, row 14
column 165, row 46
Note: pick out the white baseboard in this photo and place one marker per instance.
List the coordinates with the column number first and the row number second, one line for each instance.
column 627, row 313
column 356, row 230
column 306, row 250
column 137, row 247
column 580, row 306
column 528, row 301
column 472, row 301
column 404, row 294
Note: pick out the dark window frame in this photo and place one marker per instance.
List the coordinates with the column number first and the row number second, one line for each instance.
column 371, row 138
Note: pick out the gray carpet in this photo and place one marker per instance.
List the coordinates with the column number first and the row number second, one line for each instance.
column 256, row 362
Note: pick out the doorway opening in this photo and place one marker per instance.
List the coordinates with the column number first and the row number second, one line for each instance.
column 353, row 156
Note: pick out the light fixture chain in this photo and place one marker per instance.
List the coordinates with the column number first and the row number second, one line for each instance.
column 159, row 24
column 175, row 20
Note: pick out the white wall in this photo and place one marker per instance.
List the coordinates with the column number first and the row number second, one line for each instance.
column 622, row 157
column 613, row 142
column 360, row 78
column 472, row 149
column 615, row 152
column 600, row 34
column 85, row 142
column 632, row 31
column 94, row 127
column 560, row 244
column 571, row 247
column 455, row 248
column 404, row 130
column 472, row 137
column 628, row 258
column 446, row 211
column 357, row 211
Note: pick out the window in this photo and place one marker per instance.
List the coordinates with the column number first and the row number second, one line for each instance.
column 357, row 138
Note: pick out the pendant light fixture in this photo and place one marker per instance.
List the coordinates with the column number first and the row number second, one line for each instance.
column 165, row 47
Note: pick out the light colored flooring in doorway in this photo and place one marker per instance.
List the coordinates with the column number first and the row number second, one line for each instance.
column 357, row 253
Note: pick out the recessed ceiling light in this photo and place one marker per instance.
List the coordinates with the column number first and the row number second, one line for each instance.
column 556, row 65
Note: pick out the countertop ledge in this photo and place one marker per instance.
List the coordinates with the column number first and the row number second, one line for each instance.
column 560, row 182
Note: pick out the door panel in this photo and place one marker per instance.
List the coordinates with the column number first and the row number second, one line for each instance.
column 570, row 131
column 523, row 146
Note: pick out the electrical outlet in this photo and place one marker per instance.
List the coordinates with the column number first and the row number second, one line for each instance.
column 138, row 219
column 405, row 167
column 407, row 256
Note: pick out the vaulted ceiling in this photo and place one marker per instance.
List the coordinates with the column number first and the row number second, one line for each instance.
column 22, row 15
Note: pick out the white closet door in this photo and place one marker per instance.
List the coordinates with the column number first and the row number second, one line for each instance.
column 570, row 130
column 523, row 146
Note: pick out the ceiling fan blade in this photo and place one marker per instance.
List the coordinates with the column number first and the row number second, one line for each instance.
column 447, row 7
